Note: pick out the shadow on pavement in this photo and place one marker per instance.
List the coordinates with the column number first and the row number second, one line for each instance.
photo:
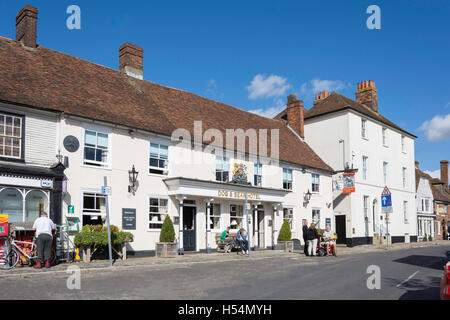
column 422, row 290
column 432, row 262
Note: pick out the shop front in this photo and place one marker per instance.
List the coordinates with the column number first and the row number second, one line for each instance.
column 206, row 208
column 425, row 225
column 26, row 191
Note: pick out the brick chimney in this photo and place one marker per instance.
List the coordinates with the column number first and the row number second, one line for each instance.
column 295, row 115
column 367, row 94
column 320, row 96
column 444, row 172
column 131, row 60
column 417, row 164
column 26, row 26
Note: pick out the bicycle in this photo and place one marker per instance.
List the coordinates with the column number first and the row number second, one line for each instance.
column 23, row 251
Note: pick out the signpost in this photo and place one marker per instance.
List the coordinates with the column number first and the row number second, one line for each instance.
column 107, row 191
column 386, row 207
column 248, row 228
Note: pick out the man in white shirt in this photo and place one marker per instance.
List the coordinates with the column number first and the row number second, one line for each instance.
column 44, row 228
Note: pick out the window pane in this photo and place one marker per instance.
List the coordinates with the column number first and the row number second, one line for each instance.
column 164, row 152
column 89, row 154
column 88, row 202
column 154, row 150
column 90, row 138
column 153, row 162
column 154, row 202
column 102, row 140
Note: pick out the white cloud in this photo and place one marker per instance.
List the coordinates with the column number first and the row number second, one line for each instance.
column 213, row 91
column 436, row 174
column 317, row 85
column 437, row 128
column 267, row 86
column 270, row 112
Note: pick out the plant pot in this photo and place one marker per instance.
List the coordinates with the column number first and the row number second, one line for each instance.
column 166, row 249
column 287, row 246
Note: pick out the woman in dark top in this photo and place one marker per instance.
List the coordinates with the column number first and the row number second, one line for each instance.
column 312, row 237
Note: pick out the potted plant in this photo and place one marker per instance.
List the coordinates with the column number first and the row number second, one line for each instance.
column 430, row 238
column 285, row 238
column 425, row 238
column 166, row 247
column 94, row 239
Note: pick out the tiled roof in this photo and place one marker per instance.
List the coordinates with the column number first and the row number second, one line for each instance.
column 47, row 79
column 337, row 102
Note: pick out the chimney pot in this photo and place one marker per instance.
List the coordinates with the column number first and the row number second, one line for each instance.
column 367, row 94
column 444, row 172
column 131, row 60
column 26, row 26
column 295, row 115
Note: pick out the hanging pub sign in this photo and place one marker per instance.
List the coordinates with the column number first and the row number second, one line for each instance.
column 239, row 174
column 349, row 182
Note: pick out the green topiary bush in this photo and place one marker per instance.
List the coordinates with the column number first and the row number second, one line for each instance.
column 167, row 231
column 285, row 232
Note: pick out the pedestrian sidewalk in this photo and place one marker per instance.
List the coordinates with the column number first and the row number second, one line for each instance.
column 195, row 258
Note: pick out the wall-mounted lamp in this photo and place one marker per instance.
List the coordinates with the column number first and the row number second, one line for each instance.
column 306, row 198
column 132, row 174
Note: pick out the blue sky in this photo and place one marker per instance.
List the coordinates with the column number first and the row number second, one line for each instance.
column 251, row 54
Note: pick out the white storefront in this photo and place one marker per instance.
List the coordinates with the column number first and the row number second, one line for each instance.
column 169, row 183
column 383, row 156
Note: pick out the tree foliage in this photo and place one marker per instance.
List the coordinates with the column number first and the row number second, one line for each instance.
column 167, row 231
column 285, row 232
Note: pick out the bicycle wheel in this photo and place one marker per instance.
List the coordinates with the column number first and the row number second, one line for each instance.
column 11, row 260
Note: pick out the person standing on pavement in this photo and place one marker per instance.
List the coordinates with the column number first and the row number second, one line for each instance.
column 312, row 236
column 44, row 228
column 305, row 230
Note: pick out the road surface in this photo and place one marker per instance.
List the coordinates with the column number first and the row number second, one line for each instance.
column 405, row 274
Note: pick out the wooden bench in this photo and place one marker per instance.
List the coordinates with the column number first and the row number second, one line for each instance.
column 222, row 246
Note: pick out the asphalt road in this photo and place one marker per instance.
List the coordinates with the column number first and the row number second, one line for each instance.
column 405, row 274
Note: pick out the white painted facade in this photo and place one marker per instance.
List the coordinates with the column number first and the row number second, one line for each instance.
column 362, row 209
column 187, row 181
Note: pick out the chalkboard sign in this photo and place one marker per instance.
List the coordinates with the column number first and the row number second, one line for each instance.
column 129, row 219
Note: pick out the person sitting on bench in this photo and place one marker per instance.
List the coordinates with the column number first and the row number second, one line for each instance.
column 241, row 237
column 227, row 240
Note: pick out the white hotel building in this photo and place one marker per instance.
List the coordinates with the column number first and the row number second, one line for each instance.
column 105, row 122
column 353, row 135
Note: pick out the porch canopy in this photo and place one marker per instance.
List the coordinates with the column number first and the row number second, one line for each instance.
column 223, row 190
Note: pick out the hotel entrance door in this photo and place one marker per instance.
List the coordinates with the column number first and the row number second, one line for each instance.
column 189, row 239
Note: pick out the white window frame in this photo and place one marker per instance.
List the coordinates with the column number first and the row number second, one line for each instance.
column 364, row 131
column 93, row 163
column 257, row 174
column 225, row 168
column 404, row 176
column 364, row 167
column 160, row 212
column 288, row 181
column 403, row 142
column 155, row 169
column 234, row 214
column 90, row 211
column 366, row 206
column 214, row 215
column 313, row 174
column 314, row 220
column 4, row 136
column 405, row 211
column 384, row 136
column 290, row 216
column 385, row 172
